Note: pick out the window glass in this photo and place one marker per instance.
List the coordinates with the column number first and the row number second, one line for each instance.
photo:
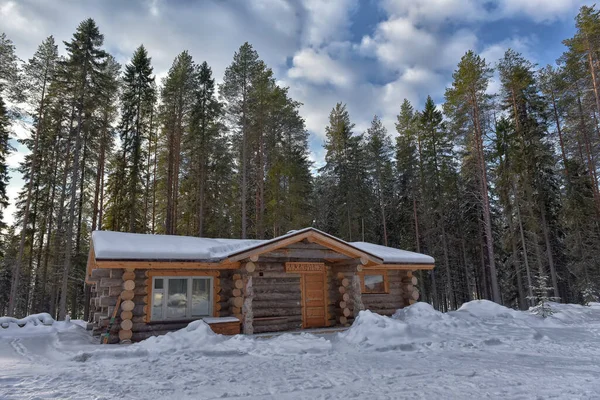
column 158, row 283
column 157, row 305
column 374, row 284
column 177, row 298
column 200, row 297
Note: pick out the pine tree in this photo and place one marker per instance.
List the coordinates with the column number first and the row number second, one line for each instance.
column 203, row 149
column 84, row 66
column 288, row 180
column 9, row 71
column 39, row 73
column 345, row 166
column 407, row 179
column 379, row 152
column 466, row 103
column 236, row 91
column 137, row 106
column 5, row 149
column 536, row 189
column 436, row 161
column 177, row 96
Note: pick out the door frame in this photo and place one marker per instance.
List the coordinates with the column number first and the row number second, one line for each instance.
column 310, row 268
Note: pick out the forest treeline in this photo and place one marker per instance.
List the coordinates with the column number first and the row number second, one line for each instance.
column 501, row 188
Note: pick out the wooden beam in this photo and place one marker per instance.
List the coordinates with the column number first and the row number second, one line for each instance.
column 348, row 263
column 308, row 253
column 91, row 263
column 313, row 237
column 347, row 250
column 150, row 274
column 267, row 247
column 408, row 267
column 164, row 264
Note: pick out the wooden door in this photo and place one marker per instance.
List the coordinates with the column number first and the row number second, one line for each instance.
column 313, row 300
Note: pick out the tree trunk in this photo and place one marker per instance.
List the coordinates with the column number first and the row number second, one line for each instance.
column 525, row 258
column 549, row 254
column 32, row 173
column 487, row 220
column 74, row 182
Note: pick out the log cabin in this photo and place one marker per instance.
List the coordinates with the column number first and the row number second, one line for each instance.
column 305, row 279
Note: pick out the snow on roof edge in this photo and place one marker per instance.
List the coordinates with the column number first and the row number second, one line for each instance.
column 110, row 245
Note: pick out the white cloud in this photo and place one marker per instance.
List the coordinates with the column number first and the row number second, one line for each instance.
column 435, row 12
column 318, row 67
column 326, row 20
column 540, row 10
column 494, row 52
column 410, row 52
column 432, row 12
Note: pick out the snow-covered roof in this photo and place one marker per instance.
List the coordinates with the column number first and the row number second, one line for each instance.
column 390, row 255
column 110, row 245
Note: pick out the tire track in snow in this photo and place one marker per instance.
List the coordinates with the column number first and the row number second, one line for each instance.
column 20, row 349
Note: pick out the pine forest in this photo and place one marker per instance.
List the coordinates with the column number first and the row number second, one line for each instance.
column 501, row 188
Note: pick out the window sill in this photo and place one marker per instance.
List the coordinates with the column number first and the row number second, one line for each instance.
column 209, row 320
column 375, row 292
column 173, row 321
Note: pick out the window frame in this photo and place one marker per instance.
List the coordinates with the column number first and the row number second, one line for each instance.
column 210, row 276
column 383, row 273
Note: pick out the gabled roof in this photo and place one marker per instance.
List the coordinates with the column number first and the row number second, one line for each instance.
column 122, row 246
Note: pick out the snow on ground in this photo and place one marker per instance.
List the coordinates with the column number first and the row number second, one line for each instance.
column 481, row 351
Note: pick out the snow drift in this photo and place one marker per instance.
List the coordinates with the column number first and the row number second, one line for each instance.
column 35, row 320
column 481, row 350
column 419, row 327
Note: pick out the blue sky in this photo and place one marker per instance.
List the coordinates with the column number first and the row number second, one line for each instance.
column 369, row 54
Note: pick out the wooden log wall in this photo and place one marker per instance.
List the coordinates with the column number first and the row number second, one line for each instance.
column 225, row 294
column 276, row 302
column 247, row 272
column 347, row 291
column 402, row 292
column 133, row 286
column 410, row 293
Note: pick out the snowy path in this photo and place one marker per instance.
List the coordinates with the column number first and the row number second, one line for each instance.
column 470, row 354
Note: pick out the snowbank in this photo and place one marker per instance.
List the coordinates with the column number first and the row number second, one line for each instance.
column 375, row 331
column 32, row 325
column 478, row 324
column 480, row 351
column 485, row 309
column 197, row 338
column 35, row 320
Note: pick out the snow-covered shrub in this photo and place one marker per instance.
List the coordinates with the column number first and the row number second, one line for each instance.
column 589, row 294
column 540, row 296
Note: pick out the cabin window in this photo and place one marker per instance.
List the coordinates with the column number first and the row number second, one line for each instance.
column 374, row 282
column 175, row 298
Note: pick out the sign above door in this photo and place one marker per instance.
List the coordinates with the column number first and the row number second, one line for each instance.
column 300, row 267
